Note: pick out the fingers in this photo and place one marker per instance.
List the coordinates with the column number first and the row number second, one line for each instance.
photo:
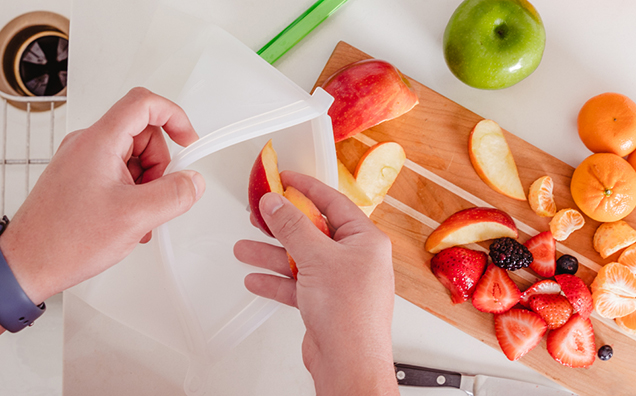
column 140, row 108
column 163, row 199
column 291, row 227
column 263, row 255
column 148, row 156
column 338, row 208
column 273, row 287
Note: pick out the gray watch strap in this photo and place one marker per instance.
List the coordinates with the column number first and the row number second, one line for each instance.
column 17, row 311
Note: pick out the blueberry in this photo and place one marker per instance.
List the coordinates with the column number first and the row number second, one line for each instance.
column 605, row 352
column 567, row 264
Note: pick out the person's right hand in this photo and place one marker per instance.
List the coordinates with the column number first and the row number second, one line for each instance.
column 345, row 287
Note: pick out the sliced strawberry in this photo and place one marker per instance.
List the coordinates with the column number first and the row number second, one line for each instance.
column 459, row 269
column 518, row 331
column 495, row 291
column 545, row 286
column 573, row 343
column 577, row 293
column 543, row 249
column 554, row 309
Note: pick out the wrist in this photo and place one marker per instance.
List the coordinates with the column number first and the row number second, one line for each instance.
column 358, row 366
column 17, row 260
column 17, row 309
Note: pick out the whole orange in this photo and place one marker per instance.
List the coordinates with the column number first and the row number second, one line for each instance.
column 604, row 187
column 607, row 124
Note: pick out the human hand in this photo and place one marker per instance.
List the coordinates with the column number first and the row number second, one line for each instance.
column 345, row 287
column 102, row 193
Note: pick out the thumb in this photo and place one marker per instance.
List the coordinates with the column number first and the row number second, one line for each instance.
column 289, row 225
column 167, row 197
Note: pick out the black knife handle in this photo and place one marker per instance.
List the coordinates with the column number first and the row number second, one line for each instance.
column 422, row 376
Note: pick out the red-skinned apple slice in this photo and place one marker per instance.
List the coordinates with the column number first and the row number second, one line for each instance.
column 348, row 185
column 367, row 93
column 310, row 210
column 264, row 178
column 469, row 226
column 377, row 170
column 493, row 161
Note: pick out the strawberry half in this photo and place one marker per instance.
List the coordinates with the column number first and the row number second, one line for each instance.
column 577, row 293
column 545, row 286
column 543, row 249
column 554, row 309
column 518, row 331
column 495, row 291
column 573, row 343
column 459, row 269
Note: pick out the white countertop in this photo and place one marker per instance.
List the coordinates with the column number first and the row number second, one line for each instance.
column 589, row 50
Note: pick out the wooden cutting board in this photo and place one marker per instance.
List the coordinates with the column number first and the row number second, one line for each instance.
column 437, row 181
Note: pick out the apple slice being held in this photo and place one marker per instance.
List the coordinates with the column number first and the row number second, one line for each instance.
column 348, row 185
column 377, row 170
column 493, row 161
column 264, row 178
column 310, row 210
column 471, row 225
column 367, row 93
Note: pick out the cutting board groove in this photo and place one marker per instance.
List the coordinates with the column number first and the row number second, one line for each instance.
column 438, row 180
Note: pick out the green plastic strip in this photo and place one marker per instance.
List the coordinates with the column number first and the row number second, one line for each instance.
column 298, row 29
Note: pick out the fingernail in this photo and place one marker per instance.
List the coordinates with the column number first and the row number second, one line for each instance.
column 199, row 185
column 270, row 203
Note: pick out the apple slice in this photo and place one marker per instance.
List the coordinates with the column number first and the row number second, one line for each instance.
column 264, row 178
column 493, row 161
column 469, row 226
column 310, row 210
column 367, row 93
column 348, row 186
column 377, row 170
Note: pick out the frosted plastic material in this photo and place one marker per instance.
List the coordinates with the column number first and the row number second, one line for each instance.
column 185, row 289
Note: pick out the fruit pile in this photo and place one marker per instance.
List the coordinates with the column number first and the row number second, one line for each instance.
column 560, row 306
column 603, row 187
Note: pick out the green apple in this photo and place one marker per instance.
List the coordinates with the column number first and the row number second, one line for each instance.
column 494, row 44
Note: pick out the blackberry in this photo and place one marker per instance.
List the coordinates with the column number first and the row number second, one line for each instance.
column 510, row 254
column 605, row 352
column 567, row 264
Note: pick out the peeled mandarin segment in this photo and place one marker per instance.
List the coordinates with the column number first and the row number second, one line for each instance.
column 603, row 186
column 565, row 222
column 607, row 124
column 617, row 279
column 627, row 323
column 628, row 258
column 493, row 161
column 541, row 198
column 610, row 305
column 609, row 238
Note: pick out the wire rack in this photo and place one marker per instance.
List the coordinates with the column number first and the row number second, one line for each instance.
column 27, row 161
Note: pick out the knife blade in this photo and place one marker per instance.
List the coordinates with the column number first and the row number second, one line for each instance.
column 473, row 385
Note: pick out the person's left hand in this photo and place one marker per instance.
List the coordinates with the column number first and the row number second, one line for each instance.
column 102, row 194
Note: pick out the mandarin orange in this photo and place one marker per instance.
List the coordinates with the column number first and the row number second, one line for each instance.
column 614, row 291
column 628, row 258
column 604, row 187
column 541, row 198
column 565, row 222
column 627, row 323
column 611, row 237
column 607, row 124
